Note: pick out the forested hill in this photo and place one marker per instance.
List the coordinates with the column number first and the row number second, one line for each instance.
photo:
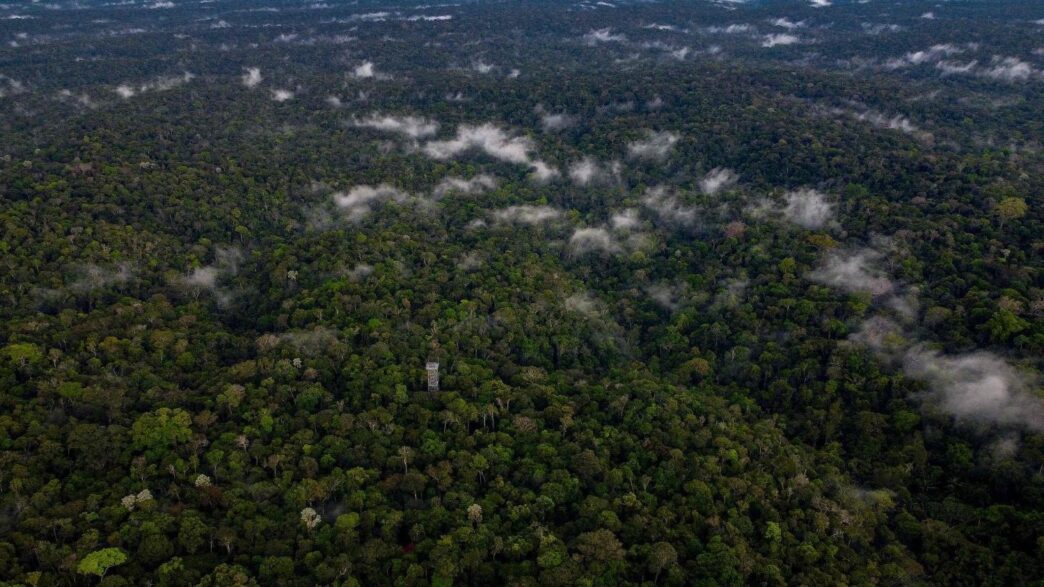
column 722, row 293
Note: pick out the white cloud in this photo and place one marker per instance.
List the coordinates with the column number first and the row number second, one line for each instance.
column 412, row 126
column 932, row 54
column 282, row 95
column 364, row 70
column 206, row 278
column 427, row 18
column 655, row 146
column 820, row 3
column 252, row 77
column 593, row 240
column 359, row 201
column 786, row 23
column 359, row 272
column 1009, row 69
column 527, row 214
column 603, row 36
column 979, row 387
column 494, row 142
column 583, row 303
column 854, row 271
column 159, row 84
column 717, row 179
column 665, row 295
column 10, row 86
column 555, row 122
column 91, row 277
column 472, row 186
column 949, row 67
column 732, row 29
column 588, row 171
column 666, row 205
column 776, row 39
column 625, row 220
column 808, row 208
column 928, row 15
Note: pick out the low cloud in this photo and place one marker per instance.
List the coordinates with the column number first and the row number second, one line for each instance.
column 469, row 187
column 808, row 208
column 494, row 142
column 732, row 29
column 593, row 240
column 588, row 171
column 358, row 202
column 207, row 278
column 10, row 86
column 854, row 271
column 786, row 23
column 414, row 127
column 359, row 272
column 666, row 295
column 159, row 84
column 625, row 220
column 252, row 77
column 554, row 122
column 282, row 95
column 1009, row 69
column 656, row 146
column 584, row 303
column 777, row 39
column 91, row 277
column 976, row 387
column 364, row 70
column 531, row 215
column 717, row 179
column 665, row 203
column 930, row 55
column 603, row 36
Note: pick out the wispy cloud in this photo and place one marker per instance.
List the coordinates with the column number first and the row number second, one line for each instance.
column 91, row 277
column 494, row 142
column 717, row 179
column 282, row 95
column 159, row 84
column 588, row 171
column 364, row 70
column 656, row 146
column 854, row 271
column 358, row 202
column 207, row 278
column 786, row 23
column 475, row 185
column 777, row 39
column 553, row 122
column 532, row 215
column 665, row 203
column 252, row 77
column 10, row 86
column 603, row 36
column 808, row 208
column 412, row 126
column 593, row 240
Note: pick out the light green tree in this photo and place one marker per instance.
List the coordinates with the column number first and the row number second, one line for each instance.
column 100, row 561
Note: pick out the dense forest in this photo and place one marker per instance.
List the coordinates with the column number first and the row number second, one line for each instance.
column 721, row 292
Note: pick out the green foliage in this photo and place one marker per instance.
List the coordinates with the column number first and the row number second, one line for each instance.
column 100, row 561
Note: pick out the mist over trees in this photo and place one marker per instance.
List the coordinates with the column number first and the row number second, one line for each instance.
column 721, row 293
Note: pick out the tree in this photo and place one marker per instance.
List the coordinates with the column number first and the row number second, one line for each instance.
column 162, row 429
column 100, row 561
column 661, row 557
column 1011, row 208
